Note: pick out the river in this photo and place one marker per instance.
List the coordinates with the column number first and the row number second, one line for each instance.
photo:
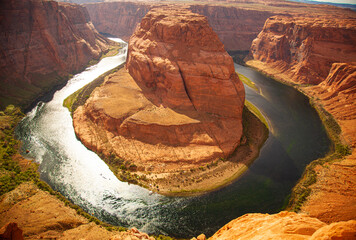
column 297, row 137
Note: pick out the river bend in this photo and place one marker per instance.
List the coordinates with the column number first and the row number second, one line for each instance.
column 297, row 137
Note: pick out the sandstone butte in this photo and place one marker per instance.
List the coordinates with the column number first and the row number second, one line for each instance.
column 41, row 43
column 177, row 107
column 318, row 57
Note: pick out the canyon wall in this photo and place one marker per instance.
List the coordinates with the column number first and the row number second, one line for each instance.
column 117, row 18
column 236, row 27
column 41, row 43
column 333, row 195
column 302, row 49
column 318, row 55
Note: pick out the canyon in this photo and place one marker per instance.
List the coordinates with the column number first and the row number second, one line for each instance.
column 302, row 49
column 315, row 55
column 42, row 43
column 176, row 107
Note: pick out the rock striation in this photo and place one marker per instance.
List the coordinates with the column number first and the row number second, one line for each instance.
column 41, row 43
column 303, row 49
column 117, row 18
column 237, row 23
column 318, row 57
column 236, row 27
column 284, row 225
column 337, row 94
column 334, row 196
column 178, row 105
column 30, row 213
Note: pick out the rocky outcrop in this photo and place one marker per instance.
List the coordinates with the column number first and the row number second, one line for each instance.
column 236, row 23
column 41, row 43
column 284, row 225
column 236, row 27
column 180, row 104
column 36, row 214
column 337, row 94
column 334, row 196
column 302, row 49
column 299, row 51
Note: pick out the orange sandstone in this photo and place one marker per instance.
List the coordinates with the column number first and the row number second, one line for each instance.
column 284, row 225
column 302, row 49
column 320, row 52
column 178, row 105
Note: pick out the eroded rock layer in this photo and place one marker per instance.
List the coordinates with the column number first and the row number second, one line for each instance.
column 334, row 196
column 180, row 103
column 41, row 43
column 302, row 49
column 320, row 52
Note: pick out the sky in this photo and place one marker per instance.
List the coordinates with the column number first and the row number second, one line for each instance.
column 337, row 1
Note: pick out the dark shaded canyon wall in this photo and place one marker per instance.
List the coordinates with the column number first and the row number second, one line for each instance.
column 304, row 48
column 41, row 43
column 235, row 27
column 117, row 18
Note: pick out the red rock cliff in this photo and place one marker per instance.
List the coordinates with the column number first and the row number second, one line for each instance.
column 302, row 49
column 182, row 104
column 41, row 42
column 236, row 27
column 320, row 52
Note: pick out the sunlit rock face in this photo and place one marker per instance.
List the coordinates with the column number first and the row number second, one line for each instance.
column 284, row 225
column 178, row 104
column 303, row 49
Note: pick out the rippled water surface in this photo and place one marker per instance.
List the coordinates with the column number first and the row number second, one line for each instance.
column 297, row 137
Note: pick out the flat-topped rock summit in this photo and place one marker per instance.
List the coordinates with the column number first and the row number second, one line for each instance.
column 176, row 106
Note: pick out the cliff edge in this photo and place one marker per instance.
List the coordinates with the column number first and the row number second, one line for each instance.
column 303, row 49
column 317, row 56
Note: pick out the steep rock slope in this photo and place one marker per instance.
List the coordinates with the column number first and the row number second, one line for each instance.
column 337, row 94
column 179, row 104
column 41, row 43
column 303, row 49
column 334, row 196
column 36, row 214
column 321, row 52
